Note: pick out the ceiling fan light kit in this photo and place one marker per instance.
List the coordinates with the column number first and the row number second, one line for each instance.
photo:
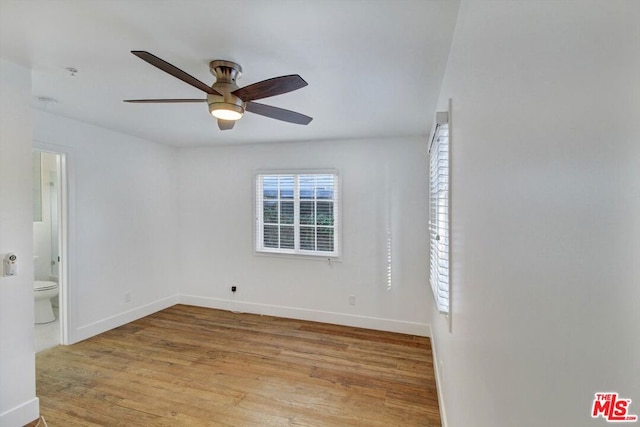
column 226, row 111
column 226, row 101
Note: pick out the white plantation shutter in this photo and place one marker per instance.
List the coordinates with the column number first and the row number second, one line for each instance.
column 298, row 213
column 439, row 213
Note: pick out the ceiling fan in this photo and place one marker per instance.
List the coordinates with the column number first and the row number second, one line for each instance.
column 227, row 102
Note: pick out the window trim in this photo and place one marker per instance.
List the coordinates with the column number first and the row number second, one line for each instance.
column 260, row 250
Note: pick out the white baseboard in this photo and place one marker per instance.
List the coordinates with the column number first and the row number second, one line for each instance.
column 436, row 369
column 21, row 414
column 367, row 322
column 103, row 325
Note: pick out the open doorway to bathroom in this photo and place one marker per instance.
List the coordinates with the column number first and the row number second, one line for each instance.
column 49, row 220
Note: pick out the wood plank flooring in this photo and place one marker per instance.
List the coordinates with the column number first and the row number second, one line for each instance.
column 191, row 366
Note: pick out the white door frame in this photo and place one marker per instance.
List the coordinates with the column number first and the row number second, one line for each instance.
column 63, row 235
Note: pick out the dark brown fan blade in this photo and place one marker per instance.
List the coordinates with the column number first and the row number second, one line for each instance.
column 173, row 70
column 162, row 101
column 278, row 113
column 226, row 124
column 271, row 87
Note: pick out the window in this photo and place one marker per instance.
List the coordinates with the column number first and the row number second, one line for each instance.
column 439, row 212
column 297, row 214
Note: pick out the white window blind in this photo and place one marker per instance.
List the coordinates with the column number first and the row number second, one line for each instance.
column 439, row 213
column 297, row 213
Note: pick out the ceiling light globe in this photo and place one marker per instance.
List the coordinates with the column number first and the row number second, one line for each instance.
column 226, row 111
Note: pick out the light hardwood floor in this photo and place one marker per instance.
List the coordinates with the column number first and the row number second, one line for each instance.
column 190, row 366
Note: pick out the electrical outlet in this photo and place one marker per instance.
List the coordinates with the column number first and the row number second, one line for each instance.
column 234, row 288
column 352, row 300
column 127, row 297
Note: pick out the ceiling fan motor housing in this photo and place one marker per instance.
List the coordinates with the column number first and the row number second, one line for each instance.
column 226, row 73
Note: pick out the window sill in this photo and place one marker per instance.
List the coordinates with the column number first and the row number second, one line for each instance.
column 325, row 258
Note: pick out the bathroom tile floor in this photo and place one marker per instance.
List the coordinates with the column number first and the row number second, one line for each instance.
column 47, row 335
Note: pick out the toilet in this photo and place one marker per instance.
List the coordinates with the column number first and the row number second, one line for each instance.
column 43, row 291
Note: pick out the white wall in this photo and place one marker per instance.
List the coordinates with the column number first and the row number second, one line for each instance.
column 18, row 402
column 546, row 212
column 383, row 185
column 122, row 223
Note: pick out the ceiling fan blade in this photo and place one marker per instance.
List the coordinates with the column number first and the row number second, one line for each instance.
column 271, row 87
column 174, row 71
column 278, row 113
column 226, row 124
column 162, row 101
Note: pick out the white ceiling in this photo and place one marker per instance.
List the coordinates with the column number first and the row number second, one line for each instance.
column 374, row 67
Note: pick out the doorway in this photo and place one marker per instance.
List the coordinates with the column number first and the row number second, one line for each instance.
column 49, row 248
